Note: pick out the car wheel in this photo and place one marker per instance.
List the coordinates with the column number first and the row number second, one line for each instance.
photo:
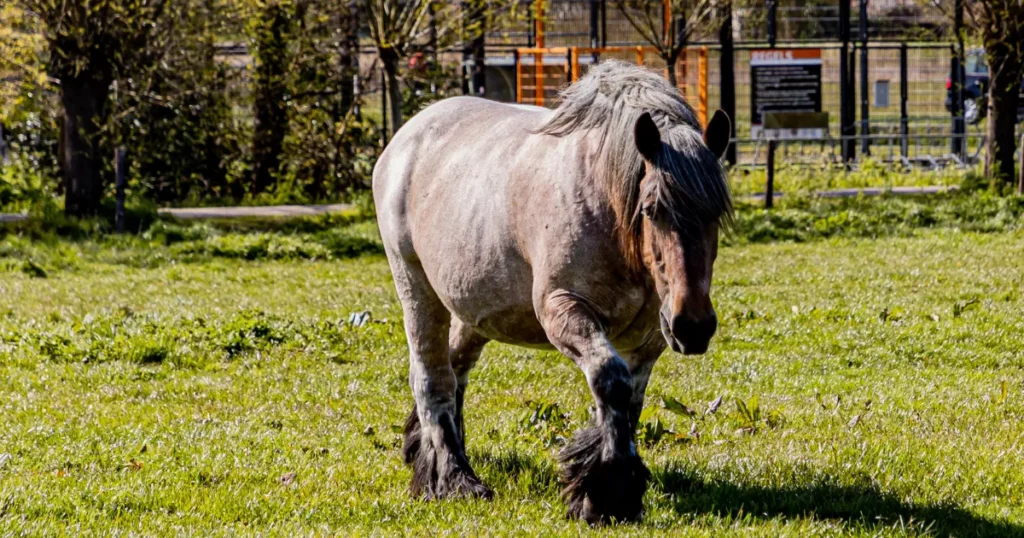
column 972, row 111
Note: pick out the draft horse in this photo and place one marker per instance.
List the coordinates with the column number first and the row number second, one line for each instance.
column 592, row 229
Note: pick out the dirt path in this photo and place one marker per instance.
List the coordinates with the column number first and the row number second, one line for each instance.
column 285, row 211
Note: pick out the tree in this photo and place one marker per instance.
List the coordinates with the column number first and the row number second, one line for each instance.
column 91, row 44
column 397, row 27
column 175, row 118
column 1000, row 26
column 272, row 30
column 20, row 49
column 348, row 55
column 28, row 122
column 668, row 25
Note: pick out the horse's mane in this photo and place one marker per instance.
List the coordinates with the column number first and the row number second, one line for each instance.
column 691, row 188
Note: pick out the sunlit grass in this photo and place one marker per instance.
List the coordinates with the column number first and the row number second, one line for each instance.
column 145, row 393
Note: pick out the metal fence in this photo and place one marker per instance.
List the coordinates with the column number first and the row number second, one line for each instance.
column 885, row 72
column 891, row 104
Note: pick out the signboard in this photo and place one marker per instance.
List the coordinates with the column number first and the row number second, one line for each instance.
column 787, row 84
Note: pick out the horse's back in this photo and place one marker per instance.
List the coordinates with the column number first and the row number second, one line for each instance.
column 445, row 153
column 446, row 190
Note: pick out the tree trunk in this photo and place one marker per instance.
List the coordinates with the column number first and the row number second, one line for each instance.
column 271, row 82
column 348, row 56
column 84, row 100
column 475, row 46
column 1020, row 168
column 1003, row 98
column 392, row 89
column 670, row 68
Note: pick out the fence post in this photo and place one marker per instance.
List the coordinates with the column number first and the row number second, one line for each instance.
column 959, row 140
column 120, row 181
column 845, row 84
column 865, row 96
column 384, row 109
column 772, row 12
column 571, row 65
column 538, row 98
column 595, row 9
column 1020, row 167
column 702, row 85
column 769, row 188
column 604, row 23
column 957, row 108
column 357, row 84
column 727, row 78
column 519, row 76
column 904, row 95
column 3, row 147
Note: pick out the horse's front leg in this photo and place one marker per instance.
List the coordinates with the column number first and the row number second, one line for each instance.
column 641, row 362
column 603, row 476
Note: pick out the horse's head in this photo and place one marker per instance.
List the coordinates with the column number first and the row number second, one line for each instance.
column 683, row 199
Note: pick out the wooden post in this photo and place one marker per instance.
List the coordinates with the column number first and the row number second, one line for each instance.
column 865, row 91
column 702, row 86
column 904, row 97
column 519, row 76
column 568, row 64
column 1020, row 165
column 639, row 55
column 383, row 109
column 666, row 19
column 727, row 78
column 847, row 130
column 120, row 181
column 769, row 188
column 574, row 58
column 681, row 62
column 538, row 58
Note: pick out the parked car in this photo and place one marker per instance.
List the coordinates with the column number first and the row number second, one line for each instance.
column 976, row 89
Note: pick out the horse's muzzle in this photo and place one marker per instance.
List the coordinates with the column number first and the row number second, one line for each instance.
column 689, row 337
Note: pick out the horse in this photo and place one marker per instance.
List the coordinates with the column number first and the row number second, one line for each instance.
column 591, row 229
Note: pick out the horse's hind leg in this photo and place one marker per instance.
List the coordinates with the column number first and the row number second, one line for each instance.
column 464, row 347
column 602, row 472
column 433, row 443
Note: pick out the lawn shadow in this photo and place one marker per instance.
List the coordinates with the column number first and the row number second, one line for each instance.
column 855, row 506
column 537, row 476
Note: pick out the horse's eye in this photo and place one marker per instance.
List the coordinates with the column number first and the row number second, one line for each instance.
column 647, row 210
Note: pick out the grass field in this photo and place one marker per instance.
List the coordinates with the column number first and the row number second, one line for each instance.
column 149, row 389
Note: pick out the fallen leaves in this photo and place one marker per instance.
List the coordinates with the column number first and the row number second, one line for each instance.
column 675, row 406
column 713, row 406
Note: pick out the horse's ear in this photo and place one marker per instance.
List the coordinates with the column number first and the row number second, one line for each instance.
column 647, row 137
column 717, row 133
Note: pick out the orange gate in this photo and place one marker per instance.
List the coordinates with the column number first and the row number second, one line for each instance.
column 542, row 71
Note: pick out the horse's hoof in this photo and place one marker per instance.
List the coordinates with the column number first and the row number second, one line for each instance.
column 439, row 472
column 457, row 485
column 599, row 491
column 465, row 486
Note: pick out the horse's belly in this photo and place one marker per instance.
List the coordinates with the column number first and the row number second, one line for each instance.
column 491, row 293
column 518, row 327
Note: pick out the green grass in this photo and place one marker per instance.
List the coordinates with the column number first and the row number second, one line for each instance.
column 52, row 241
column 803, row 180
column 149, row 388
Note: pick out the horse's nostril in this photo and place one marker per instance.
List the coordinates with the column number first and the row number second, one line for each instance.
column 694, row 335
